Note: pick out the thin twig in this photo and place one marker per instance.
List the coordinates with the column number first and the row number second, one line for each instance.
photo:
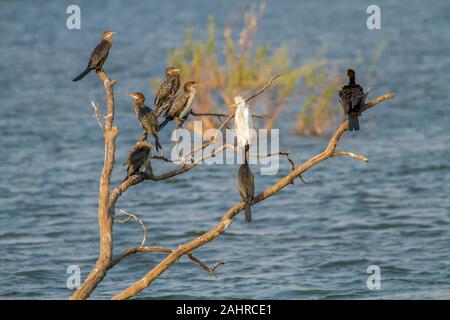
column 272, row 154
column 213, row 154
column 212, row 114
column 133, row 250
column 162, row 158
column 138, row 221
column 262, row 89
column 267, row 85
column 142, row 249
column 286, row 155
column 208, row 269
column 351, row 154
column 98, row 114
column 104, row 214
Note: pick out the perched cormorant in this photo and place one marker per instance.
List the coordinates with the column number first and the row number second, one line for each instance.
column 246, row 185
column 351, row 98
column 138, row 158
column 98, row 55
column 167, row 90
column 146, row 116
column 181, row 106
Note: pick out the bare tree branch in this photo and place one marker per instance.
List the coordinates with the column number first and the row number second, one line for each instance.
column 135, row 250
column 227, row 219
column 212, row 114
column 286, row 155
column 105, row 218
column 351, row 154
column 98, row 115
column 268, row 84
column 141, row 249
column 208, row 269
column 162, row 158
column 138, row 221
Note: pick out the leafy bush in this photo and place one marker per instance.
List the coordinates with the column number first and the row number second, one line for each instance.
column 243, row 67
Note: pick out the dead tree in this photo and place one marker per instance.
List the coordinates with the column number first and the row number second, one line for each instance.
column 108, row 198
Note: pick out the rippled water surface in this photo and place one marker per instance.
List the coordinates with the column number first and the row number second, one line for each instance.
column 308, row 241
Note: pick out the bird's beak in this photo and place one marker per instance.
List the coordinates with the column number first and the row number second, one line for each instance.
column 130, row 95
column 197, row 84
column 176, row 70
column 111, row 34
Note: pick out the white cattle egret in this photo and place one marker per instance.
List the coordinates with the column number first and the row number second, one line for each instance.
column 243, row 122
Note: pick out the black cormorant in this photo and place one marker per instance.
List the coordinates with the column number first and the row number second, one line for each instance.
column 147, row 117
column 139, row 158
column 98, row 55
column 246, row 185
column 181, row 106
column 167, row 90
column 351, row 98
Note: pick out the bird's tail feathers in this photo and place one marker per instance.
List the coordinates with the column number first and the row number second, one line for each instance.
column 163, row 123
column 158, row 110
column 82, row 75
column 350, row 122
column 157, row 143
column 356, row 123
column 248, row 212
column 353, row 122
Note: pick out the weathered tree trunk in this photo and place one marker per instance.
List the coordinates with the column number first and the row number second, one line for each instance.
column 105, row 215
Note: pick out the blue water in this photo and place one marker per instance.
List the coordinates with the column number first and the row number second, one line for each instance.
column 307, row 242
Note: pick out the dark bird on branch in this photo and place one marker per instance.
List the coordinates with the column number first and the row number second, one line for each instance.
column 351, row 98
column 181, row 106
column 147, row 117
column 139, row 158
column 167, row 90
column 98, row 55
column 246, row 185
